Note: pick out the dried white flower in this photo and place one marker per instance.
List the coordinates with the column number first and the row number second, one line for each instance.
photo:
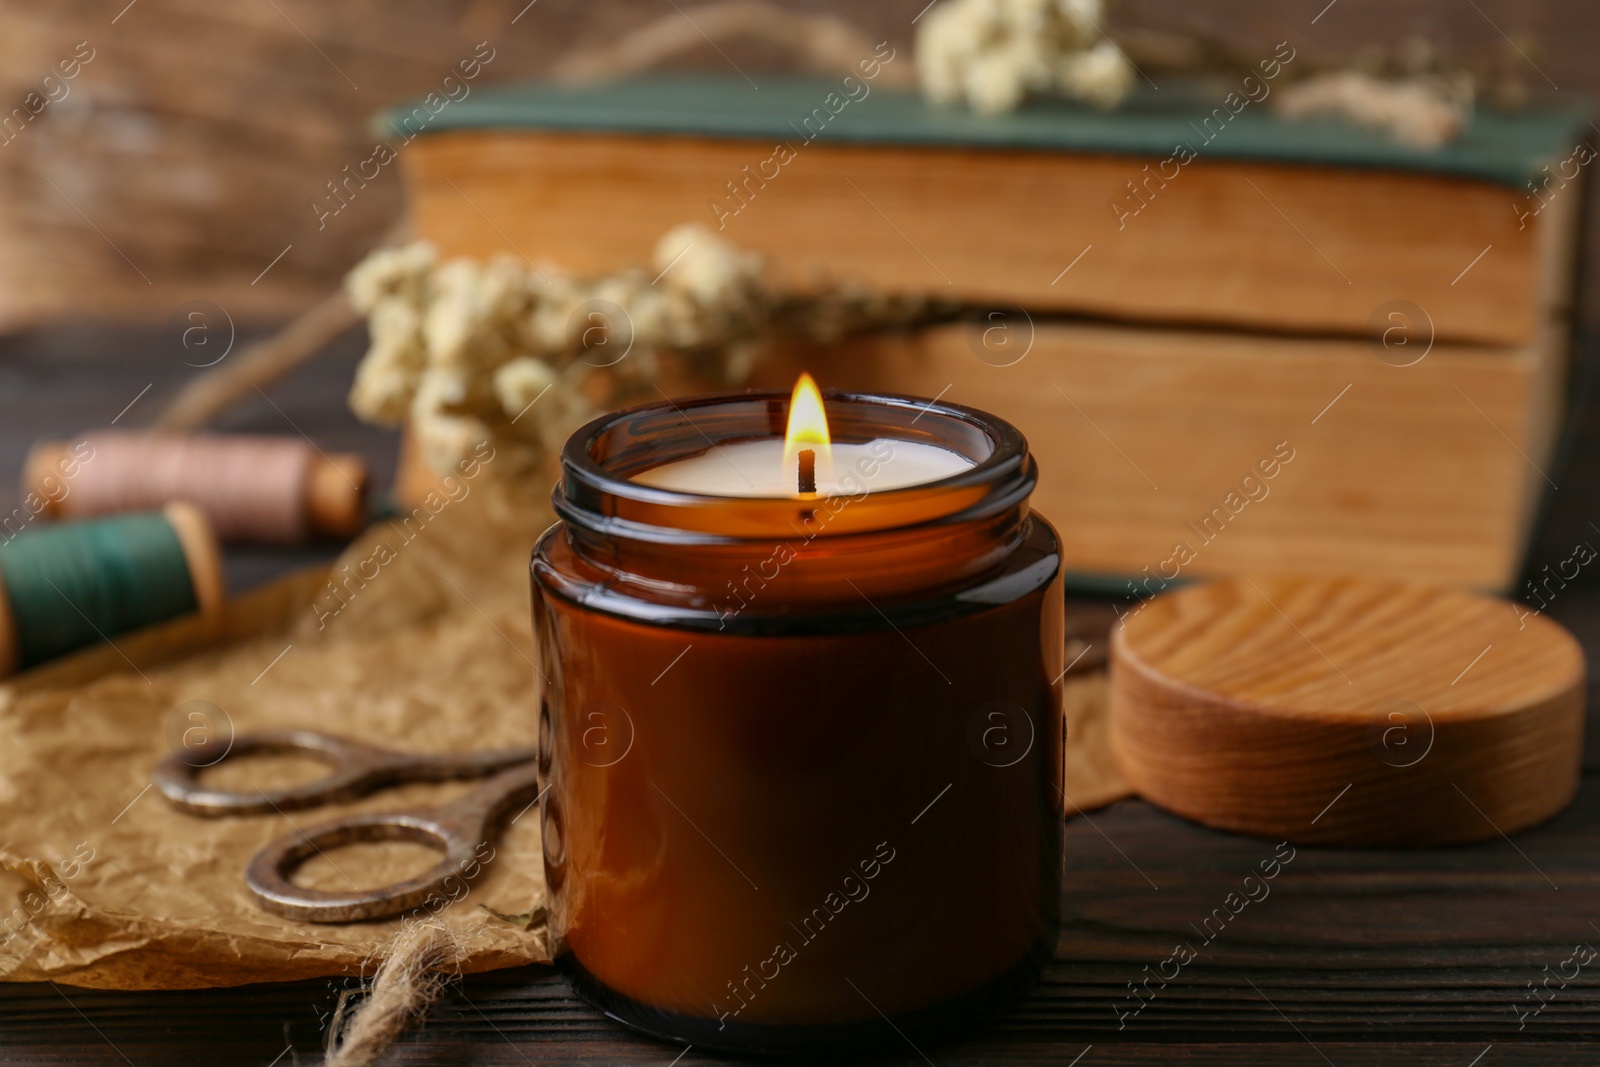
column 1100, row 76
column 464, row 351
column 523, row 381
column 1423, row 111
column 390, row 273
column 387, row 378
column 694, row 261
column 990, row 54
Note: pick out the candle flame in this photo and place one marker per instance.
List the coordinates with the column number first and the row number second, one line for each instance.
column 808, row 429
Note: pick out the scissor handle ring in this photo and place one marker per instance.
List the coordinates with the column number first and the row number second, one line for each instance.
column 457, row 829
column 355, row 770
column 269, row 870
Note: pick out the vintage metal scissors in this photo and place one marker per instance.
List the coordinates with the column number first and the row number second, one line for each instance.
column 458, row 828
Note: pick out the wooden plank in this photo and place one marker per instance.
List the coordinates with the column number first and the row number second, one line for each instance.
column 1288, row 1051
column 1355, row 947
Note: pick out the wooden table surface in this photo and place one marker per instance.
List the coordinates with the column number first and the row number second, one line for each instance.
column 1355, row 957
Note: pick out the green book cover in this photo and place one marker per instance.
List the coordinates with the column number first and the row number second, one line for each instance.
column 1505, row 147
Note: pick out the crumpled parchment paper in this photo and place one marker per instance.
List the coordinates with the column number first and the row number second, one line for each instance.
column 426, row 646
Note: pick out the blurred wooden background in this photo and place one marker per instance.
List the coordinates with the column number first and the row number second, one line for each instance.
column 186, row 156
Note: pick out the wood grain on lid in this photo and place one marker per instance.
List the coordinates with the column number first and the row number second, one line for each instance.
column 1345, row 710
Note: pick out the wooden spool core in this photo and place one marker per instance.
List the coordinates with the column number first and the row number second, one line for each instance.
column 1252, row 704
column 336, row 495
column 202, row 554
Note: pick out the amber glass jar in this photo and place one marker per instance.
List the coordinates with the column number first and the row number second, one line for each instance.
column 802, row 756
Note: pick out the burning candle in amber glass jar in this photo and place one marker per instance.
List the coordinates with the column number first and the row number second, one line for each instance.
column 799, row 724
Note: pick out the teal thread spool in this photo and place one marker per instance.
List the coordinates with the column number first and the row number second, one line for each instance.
column 71, row 586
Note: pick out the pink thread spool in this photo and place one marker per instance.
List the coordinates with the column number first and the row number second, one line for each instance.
column 273, row 490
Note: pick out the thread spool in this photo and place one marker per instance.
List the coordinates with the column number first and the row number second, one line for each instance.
column 66, row 587
column 273, row 490
column 1347, row 711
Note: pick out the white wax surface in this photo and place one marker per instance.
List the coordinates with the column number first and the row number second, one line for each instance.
column 757, row 468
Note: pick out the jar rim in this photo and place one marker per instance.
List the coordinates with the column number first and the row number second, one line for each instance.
column 598, row 462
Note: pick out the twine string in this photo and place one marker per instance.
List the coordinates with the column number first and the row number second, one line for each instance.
column 421, row 962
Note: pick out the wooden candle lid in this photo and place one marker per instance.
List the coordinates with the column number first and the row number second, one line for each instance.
column 1347, row 711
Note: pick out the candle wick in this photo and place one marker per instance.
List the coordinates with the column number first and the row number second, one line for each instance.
column 808, row 471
